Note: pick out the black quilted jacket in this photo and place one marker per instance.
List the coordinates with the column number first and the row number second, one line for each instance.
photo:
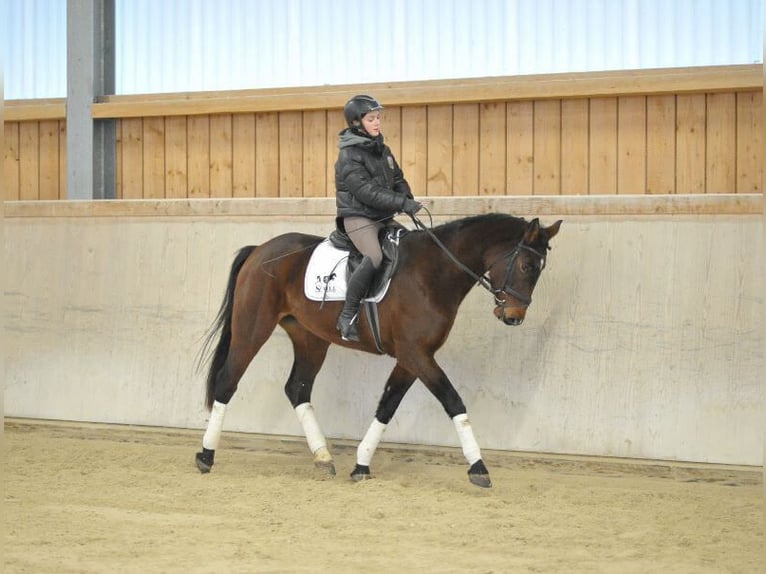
column 368, row 181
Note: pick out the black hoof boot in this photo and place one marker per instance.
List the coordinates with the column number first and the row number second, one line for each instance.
column 360, row 473
column 479, row 475
column 204, row 460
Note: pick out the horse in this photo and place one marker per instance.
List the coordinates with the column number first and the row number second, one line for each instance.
column 437, row 267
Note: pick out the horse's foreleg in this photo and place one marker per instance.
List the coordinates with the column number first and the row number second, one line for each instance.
column 399, row 382
column 440, row 386
column 310, row 353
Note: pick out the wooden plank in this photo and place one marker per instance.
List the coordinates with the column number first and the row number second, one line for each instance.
column 132, row 167
column 749, row 142
column 290, row 154
column 117, row 159
column 690, row 143
column 63, row 160
column 49, row 159
column 547, row 147
column 631, row 144
column 660, row 144
column 520, row 145
column 492, row 149
column 153, row 151
column 29, row 160
column 221, row 155
column 603, row 146
column 470, row 90
column 176, row 160
column 198, row 161
column 34, row 110
column 439, row 155
column 721, row 142
column 574, row 147
column 267, row 155
column 624, row 207
column 315, row 154
column 414, row 156
column 243, row 155
column 11, row 163
column 465, row 149
column 335, row 123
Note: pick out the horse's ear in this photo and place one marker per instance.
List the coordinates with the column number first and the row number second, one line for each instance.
column 530, row 233
column 553, row 229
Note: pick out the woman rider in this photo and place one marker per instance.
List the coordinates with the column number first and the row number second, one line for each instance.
column 370, row 189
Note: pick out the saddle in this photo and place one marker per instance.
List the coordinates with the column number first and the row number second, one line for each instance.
column 336, row 258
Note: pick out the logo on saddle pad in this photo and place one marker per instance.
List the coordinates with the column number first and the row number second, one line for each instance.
column 327, row 274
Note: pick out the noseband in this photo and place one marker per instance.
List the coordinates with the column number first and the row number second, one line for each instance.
column 501, row 295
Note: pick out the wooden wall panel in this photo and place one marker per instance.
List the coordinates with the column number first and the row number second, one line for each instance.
column 132, row 158
column 176, row 157
column 49, row 160
column 520, row 145
column 439, row 158
column 315, row 154
column 492, row 149
column 574, row 147
column 11, row 162
column 721, row 146
column 243, row 155
column 749, row 146
column 414, row 158
column 29, row 160
column 267, row 154
column 221, row 153
column 631, row 144
column 62, row 160
column 153, row 158
column 198, row 142
column 603, row 146
column 290, row 155
column 690, row 143
column 465, row 149
column 547, row 147
column 660, row 144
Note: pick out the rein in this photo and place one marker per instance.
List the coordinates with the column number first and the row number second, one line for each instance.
column 500, row 294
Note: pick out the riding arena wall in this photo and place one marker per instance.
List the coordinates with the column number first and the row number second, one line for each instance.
column 644, row 339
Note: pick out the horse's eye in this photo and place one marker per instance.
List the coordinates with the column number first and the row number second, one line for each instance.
column 526, row 267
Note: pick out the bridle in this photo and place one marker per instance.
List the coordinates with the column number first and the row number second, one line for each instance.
column 500, row 294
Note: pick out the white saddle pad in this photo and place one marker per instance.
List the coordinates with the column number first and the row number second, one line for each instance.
column 325, row 278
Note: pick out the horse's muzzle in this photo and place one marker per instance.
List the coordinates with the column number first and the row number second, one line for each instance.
column 513, row 316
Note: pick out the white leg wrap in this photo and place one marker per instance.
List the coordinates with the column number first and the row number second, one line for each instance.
column 214, row 426
column 311, row 429
column 471, row 449
column 369, row 443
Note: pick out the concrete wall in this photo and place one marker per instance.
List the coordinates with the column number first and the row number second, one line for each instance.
column 644, row 339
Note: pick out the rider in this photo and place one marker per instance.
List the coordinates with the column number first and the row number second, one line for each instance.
column 370, row 190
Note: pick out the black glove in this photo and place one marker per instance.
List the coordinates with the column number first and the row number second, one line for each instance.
column 411, row 207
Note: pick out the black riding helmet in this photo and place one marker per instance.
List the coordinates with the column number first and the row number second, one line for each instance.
column 359, row 106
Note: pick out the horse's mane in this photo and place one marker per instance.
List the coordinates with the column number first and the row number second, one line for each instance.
column 488, row 218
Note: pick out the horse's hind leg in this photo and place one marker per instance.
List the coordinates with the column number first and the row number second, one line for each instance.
column 309, row 352
column 399, row 382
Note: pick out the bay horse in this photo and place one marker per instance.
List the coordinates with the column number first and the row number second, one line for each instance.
column 436, row 269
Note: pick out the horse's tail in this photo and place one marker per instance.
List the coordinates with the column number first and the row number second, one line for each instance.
column 222, row 325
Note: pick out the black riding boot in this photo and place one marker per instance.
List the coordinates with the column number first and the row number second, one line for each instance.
column 358, row 285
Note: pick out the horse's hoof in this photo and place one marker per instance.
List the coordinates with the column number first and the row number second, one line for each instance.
column 204, row 460
column 479, row 475
column 361, row 473
column 323, row 461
